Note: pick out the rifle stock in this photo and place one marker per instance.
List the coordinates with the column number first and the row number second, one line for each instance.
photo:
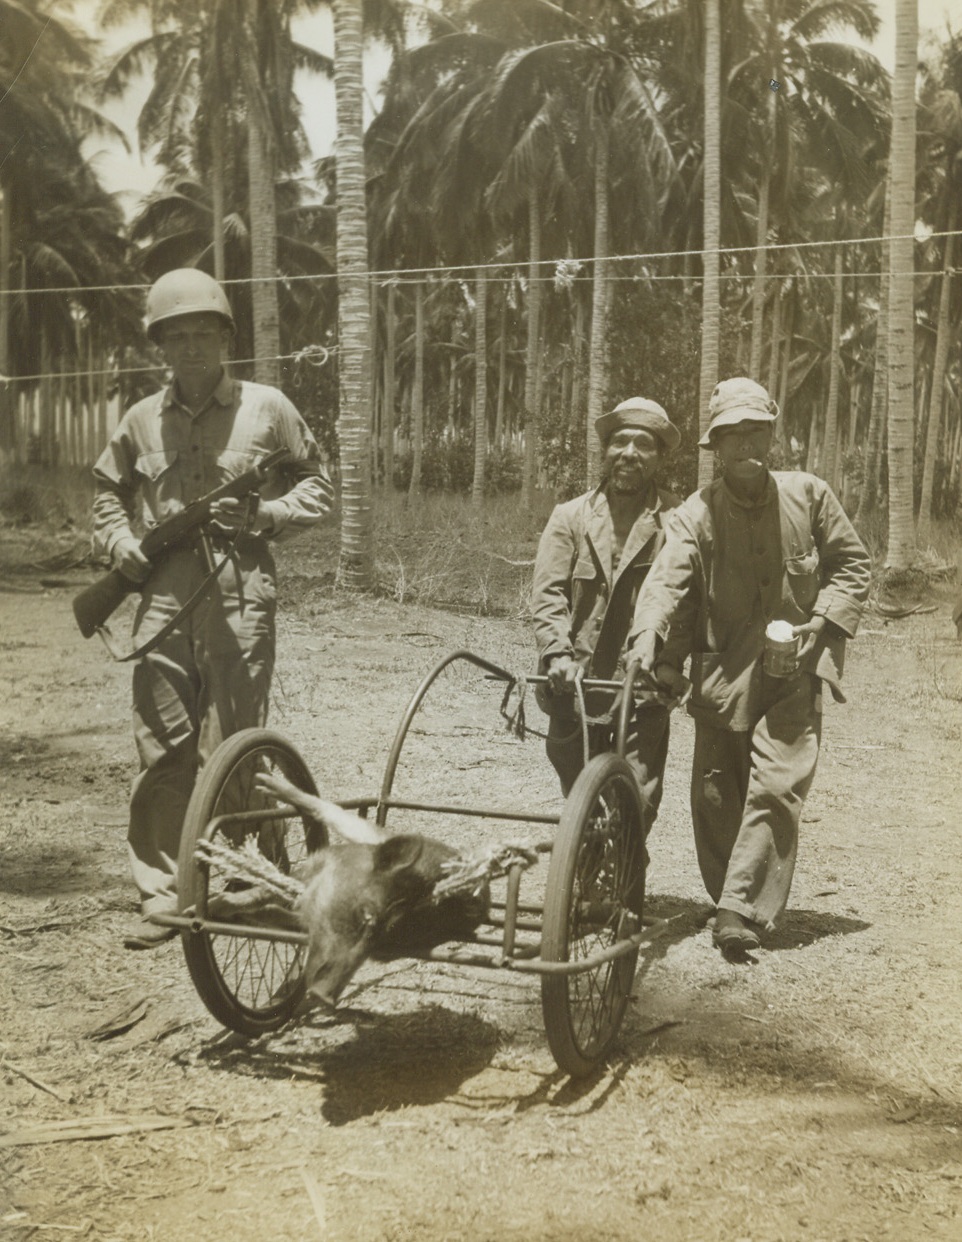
column 95, row 603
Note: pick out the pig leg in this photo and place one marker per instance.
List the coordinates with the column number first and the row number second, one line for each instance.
column 345, row 823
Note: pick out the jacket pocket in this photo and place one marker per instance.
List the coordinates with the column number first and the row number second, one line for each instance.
column 803, row 577
column 153, row 465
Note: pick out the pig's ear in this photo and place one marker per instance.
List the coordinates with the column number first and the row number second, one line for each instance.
column 399, row 853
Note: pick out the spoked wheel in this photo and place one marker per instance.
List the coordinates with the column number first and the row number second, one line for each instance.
column 593, row 899
column 250, row 985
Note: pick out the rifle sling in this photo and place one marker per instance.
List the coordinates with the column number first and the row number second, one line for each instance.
column 202, row 591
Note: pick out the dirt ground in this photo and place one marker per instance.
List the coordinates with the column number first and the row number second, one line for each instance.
column 814, row 1092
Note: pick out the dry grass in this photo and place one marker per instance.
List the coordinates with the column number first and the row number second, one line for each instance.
column 439, row 550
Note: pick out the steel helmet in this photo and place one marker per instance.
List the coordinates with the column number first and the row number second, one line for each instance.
column 185, row 291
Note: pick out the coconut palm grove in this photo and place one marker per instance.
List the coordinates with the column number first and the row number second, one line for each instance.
column 545, row 208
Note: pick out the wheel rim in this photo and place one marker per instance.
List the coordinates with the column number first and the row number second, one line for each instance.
column 609, row 860
column 262, row 976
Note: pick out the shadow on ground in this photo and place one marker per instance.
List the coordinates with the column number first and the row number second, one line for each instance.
column 800, row 928
column 391, row 1061
column 46, row 871
column 681, row 917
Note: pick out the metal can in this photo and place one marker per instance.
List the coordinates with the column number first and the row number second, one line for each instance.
column 781, row 650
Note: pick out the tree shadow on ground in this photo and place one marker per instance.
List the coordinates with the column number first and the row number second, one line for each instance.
column 392, row 1061
column 44, row 871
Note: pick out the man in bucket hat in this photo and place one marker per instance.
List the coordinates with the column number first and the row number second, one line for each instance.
column 592, row 559
column 751, row 549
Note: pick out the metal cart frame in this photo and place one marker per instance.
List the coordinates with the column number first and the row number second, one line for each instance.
column 582, row 941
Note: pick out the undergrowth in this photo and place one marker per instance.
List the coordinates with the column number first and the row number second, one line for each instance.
column 438, row 550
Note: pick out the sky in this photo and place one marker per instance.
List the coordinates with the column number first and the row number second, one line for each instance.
column 131, row 174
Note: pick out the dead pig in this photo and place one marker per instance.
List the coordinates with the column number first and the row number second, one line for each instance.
column 371, row 897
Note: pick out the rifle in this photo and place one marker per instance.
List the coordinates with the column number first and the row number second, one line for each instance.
column 97, row 602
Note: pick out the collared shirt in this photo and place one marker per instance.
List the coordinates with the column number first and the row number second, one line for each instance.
column 730, row 566
column 172, row 456
column 582, row 596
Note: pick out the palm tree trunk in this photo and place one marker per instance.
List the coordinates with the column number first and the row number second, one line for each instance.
column 538, row 407
column 480, row 383
column 711, row 229
column 761, row 263
column 356, row 565
column 531, row 348
column 943, row 333
column 784, row 438
column 44, row 400
column 597, row 379
column 8, row 437
column 901, row 351
column 263, row 208
column 813, row 448
column 577, row 366
column 263, row 214
column 417, row 396
column 502, row 371
column 775, row 341
column 955, row 459
column 390, row 387
column 829, row 469
column 217, row 196
column 868, row 497
column 101, row 401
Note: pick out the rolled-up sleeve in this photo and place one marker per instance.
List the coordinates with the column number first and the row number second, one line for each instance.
column 116, row 489
column 551, row 587
column 301, row 494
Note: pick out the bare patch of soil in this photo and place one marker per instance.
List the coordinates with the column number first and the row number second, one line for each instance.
column 815, row 1092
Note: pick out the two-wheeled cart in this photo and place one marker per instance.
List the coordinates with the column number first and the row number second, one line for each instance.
column 582, row 940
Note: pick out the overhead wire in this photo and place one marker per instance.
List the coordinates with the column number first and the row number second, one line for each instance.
column 570, row 274
column 520, row 265
column 307, row 354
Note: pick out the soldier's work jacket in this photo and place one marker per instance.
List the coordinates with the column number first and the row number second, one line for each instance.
column 582, row 603
column 171, row 456
column 729, row 567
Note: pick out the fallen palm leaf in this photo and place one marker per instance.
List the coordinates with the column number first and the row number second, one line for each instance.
column 129, row 1016
column 89, row 1128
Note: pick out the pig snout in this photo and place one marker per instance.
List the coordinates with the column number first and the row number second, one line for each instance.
column 339, row 911
column 375, row 900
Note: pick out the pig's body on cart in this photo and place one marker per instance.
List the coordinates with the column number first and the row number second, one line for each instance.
column 371, row 897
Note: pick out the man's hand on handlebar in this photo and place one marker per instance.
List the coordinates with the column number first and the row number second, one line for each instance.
column 668, row 678
column 662, row 680
column 645, row 651
column 562, row 672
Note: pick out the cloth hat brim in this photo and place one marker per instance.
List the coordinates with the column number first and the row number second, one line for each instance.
column 731, row 418
column 644, row 420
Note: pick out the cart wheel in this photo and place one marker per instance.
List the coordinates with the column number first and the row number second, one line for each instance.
column 594, row 896
column 250, row 985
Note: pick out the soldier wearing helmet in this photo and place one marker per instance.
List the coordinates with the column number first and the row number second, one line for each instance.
column 755, row 553
column 211, row 675
column 593, row 556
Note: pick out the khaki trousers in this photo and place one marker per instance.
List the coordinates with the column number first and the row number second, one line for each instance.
column 747, row 793
column 646, row 748
column 205, row 681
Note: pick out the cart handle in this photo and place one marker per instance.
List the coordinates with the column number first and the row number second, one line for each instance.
column 387, row 784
